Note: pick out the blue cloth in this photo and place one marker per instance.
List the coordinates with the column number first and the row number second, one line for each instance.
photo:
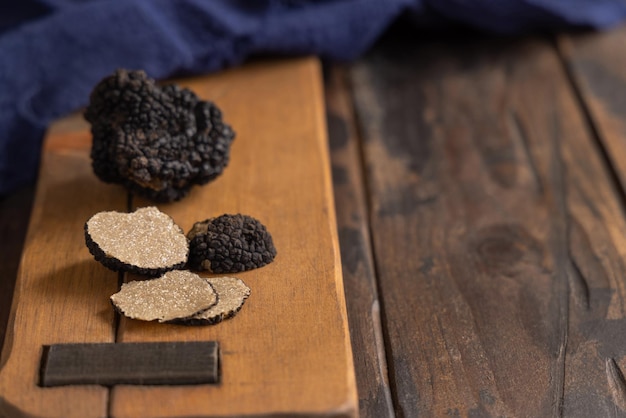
column 52, row 52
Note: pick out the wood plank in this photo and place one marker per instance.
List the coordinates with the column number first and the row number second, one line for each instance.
column 596, row 380
column 356, row 253
column 279, row 173
column 160, row 363
column 596, row 62
column 61, row 295
column 498, row 235
column 297, row 306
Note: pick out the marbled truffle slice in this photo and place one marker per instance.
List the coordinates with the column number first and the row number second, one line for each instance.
column 146, row 241
column 231, row 294
column 175, row 295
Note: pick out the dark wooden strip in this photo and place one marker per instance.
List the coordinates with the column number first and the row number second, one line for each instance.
column 498, row 234
column 164, row 363
column 356, row 254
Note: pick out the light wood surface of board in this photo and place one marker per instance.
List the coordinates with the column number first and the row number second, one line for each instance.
column 288, row 351
column 61, row 294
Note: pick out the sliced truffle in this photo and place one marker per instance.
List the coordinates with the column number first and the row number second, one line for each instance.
column 176, row 295
column 146, row 241
column 231, row 295
column 229, row 244
column 156, row 141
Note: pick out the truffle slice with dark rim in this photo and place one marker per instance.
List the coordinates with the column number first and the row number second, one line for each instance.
column 175, row 295
column 231, row 294
column 146, row 241
column 229, row 244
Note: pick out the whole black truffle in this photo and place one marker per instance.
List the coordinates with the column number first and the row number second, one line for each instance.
column 229, row 243
column 157, row 141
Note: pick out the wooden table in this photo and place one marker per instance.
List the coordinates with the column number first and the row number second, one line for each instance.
column 480, row 196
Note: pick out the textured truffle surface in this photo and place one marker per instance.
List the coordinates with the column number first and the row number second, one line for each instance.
column 146, row 241
column 231, row 294
column 229, row 244
column 157, row 141
column 175, row 295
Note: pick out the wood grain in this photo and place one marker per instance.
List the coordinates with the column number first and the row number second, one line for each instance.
column 498, row 233
column 61, row 295
column 596, row 63
column 356, row 253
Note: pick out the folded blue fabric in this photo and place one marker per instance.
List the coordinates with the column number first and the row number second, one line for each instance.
column 52, row 52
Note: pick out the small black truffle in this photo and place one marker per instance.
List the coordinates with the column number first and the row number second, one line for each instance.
column 229, row 243
column 156, row 141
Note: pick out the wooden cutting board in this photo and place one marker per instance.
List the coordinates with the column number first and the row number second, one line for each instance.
column 288, row 350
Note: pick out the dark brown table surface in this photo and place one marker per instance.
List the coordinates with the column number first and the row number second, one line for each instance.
column 480, row 194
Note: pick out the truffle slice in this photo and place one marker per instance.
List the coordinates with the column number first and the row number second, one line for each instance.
column 175, row 295
column 229, row 244
column 156, row 141
column 146, row 241
column 231, row 295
